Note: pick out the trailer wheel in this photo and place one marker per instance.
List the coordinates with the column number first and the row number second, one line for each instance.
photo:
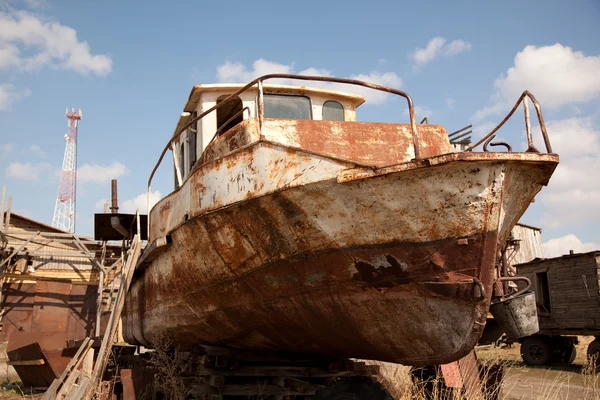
column 569, row 353
column 593, row 352
column 354, row 388
column 535, row 350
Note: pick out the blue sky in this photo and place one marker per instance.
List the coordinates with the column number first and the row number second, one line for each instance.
column 130, row 66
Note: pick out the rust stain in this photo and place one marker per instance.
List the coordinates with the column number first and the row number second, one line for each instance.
column 326, row 236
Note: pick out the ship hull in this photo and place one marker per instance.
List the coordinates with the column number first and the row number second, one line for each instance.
column 394, row 264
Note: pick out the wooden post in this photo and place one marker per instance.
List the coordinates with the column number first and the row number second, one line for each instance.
column 2, row 208
column 111, row 328
column 51, row 392
column 8, row 210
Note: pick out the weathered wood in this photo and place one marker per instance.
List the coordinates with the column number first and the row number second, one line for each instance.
column 111, row 328
column 574, row 294
column 309, row 372
column 83, row 349
column 256, row 389
column 41, row 361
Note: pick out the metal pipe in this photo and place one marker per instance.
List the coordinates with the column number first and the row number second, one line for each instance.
column 261, row 107
column 114, row 208
column 460, row 130
column 454, row 139
column 527, row 124
column 99, row 305
column 538, row 110
column 177, row 133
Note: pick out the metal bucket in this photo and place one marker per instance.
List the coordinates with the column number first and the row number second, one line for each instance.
column 517, row 315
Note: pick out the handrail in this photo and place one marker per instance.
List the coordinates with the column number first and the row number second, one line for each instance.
column 511, row 296
column 530, row 147
column 228, row 121
column 260, row 108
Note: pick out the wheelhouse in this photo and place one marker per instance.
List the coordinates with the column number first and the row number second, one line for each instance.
column 279, row 102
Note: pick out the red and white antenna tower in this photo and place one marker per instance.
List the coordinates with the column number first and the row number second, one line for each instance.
column 64, row 212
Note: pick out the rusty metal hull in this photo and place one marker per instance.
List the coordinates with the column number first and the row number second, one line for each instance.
column 393, row 264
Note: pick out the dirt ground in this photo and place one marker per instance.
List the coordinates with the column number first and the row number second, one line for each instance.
column 557, row 382
column 521, row 381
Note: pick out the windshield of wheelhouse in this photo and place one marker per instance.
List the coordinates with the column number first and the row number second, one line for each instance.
column 287, row 106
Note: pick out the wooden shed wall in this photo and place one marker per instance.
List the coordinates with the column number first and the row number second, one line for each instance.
column 574, row 292
column 530, row 244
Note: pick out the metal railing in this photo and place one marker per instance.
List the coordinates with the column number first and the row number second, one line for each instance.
column 487, row 139
column 260, row 111
column 413, row 125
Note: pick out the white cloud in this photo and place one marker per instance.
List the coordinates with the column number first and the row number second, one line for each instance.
column 27, row 171
column 6, row 149
column 482, row 129
column 421, row 112
column 437, row 46
column 9, row 94
column 389, row 79
column 450, row 103
column 37, row 150
column 46, row 43
column 99, row 206
column 456, row 47
column 561, row 246
column 140, row 203
column 573, row 194
column 572, row 137
column 556, row 75
column 100, row 173
column 238, row 72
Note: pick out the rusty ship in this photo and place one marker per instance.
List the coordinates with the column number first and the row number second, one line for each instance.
column 294, row 227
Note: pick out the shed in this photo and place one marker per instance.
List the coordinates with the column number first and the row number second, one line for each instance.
column 567, row 293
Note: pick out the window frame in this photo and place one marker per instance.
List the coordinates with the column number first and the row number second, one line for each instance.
column 310, row 105
column 333, row 101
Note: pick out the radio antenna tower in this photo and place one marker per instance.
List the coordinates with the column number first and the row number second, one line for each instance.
column 64, row 212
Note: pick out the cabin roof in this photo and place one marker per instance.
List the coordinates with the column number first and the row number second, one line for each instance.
column 529, row 226
column 564, row 256
column 194, row 97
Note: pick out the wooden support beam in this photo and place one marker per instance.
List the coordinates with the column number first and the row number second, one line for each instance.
column 2, row 208
column 111, row 328
column 56, row 384
column 27, row 362
column 16, row 251
column 8, row 211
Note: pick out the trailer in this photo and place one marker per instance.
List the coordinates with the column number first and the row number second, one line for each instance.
column 567, row 296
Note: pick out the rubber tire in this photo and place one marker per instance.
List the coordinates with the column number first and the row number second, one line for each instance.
column 569, row 354
column 353, row 388
column 594, row 348
column 536, row 350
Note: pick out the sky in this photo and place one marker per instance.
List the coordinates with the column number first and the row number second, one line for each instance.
column 131, row 65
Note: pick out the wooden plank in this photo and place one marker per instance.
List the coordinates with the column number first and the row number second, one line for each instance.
column 111, row 328
column 40, row 361
column 51, row 392
column 255, row 389
column 308, row 372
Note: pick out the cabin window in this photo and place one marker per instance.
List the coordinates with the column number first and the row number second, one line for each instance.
column 542, row 292
column 287, row 106
column 229, row 114
column 192, row 138
column 333, row 111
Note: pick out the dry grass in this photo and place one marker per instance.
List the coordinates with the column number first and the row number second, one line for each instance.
column 168, row 363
